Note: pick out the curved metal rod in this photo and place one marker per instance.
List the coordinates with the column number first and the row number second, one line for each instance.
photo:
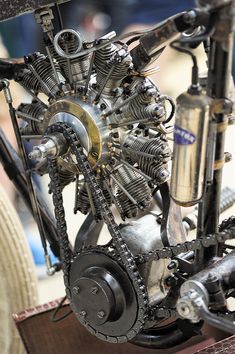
column 105, row 40
column 58, row 48
column 215, row 321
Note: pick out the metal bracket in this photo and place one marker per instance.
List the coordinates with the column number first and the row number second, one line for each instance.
column 44, row 17
column 222, row 106
column 14, row 8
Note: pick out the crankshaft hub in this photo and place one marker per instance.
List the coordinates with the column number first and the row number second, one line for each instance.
column 84, row 119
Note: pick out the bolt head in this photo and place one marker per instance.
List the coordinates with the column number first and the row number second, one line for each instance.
column 83, row 313
column 94, row 290
column 103, row 106
column 76, row 290
column 115, row 135
column 228, row 157
column 171, row 281
column 101, row 314
column 185, row 310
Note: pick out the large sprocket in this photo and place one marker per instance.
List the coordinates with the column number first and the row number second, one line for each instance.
column 102, row 294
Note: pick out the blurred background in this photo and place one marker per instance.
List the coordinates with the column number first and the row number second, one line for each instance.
column 21, row 36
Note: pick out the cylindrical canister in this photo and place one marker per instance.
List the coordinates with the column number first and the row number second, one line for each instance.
column 190, row 146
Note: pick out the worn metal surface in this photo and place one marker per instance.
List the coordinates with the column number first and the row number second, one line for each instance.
column 154, row 272
column 13, row 8
column 219, row 71
column 153, row 43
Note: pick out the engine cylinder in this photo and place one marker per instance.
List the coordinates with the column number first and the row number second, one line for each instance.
column 35, row 110
column 42, row 67
column 151, row 155
column 28, row 80
column 107, row 59
column 137, row 188
column 83, row 202
column 79, row 66
column 145, row 106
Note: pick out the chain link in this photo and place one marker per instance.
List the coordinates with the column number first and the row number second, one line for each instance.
column 65, row 249
column 202, row 242
column 120, row 245
column 226, row 232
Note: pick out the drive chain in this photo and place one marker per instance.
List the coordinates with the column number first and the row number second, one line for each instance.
column 197, row 244
column 120, row 245
column 227, row 232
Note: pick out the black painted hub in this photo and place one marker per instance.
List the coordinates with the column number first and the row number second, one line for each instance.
column 102, row 294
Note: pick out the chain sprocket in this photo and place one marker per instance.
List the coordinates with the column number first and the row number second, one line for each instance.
column 120, row 245
column 227, row 232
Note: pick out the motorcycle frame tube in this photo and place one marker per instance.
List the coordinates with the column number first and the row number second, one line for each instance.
column 219, row 76
column 14, row 169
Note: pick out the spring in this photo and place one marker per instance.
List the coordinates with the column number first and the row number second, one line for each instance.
column 154, row 165
column 44, row 70
column 79, row 66
column 28, row 80
column 108, row 58
column 137, row 187
column 34, row 110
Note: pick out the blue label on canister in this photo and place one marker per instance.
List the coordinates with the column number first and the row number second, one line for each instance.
column 183, row 136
